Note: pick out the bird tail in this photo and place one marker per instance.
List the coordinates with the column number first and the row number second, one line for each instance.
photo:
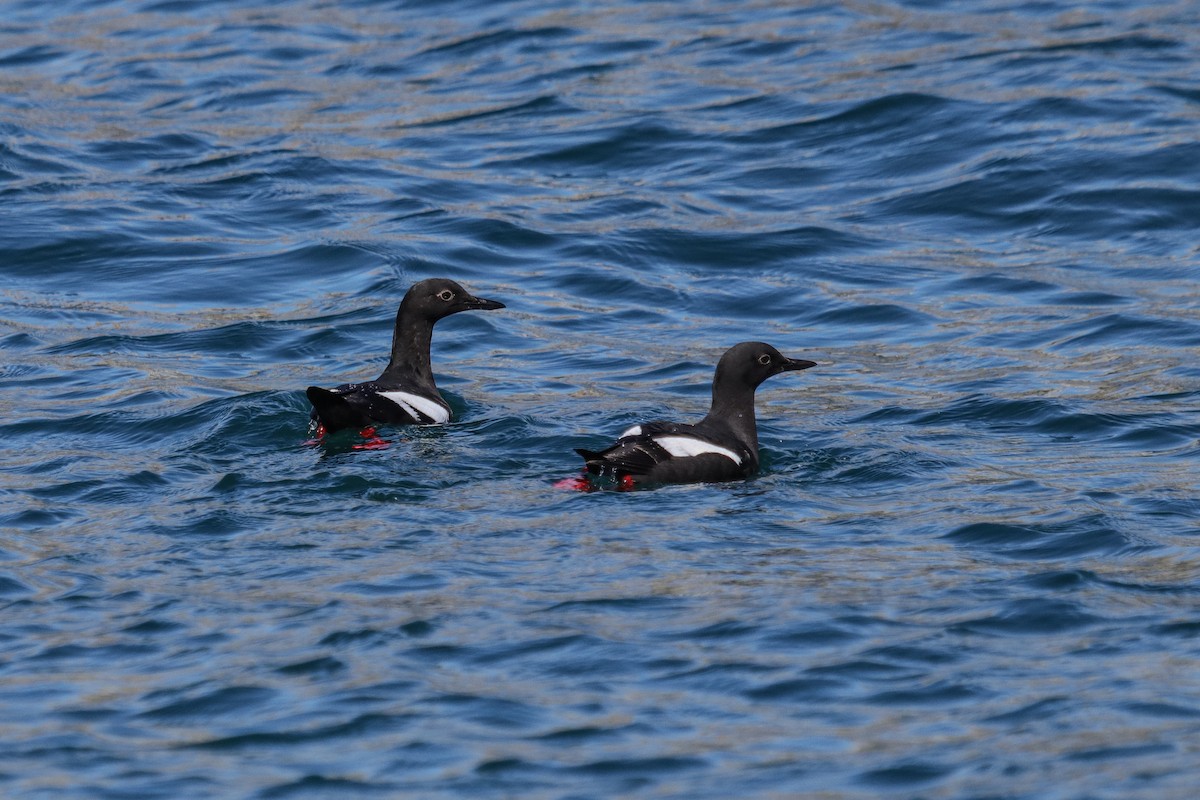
column 332, row 410
column 589, row 455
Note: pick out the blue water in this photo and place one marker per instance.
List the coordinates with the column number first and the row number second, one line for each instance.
column 968, row 568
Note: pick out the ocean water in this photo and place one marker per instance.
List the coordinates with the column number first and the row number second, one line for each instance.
column 967, row 569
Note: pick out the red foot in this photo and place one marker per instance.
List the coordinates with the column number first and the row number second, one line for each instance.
column 373, row 440
column 579, row 483
column 318, row 434
column 582, row 483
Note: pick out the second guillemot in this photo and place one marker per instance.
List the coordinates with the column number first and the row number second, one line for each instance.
column 723, row 446
column 405, row 393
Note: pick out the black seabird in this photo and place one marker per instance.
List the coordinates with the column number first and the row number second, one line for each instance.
column 721, row 447
column 405, row 393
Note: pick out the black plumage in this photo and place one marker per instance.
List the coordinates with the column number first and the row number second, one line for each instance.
column 405, row 392
column 723, row 446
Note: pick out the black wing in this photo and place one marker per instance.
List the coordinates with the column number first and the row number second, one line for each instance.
column 638, row 454
column 648, row 462
column 632, row 455
column 355, row 405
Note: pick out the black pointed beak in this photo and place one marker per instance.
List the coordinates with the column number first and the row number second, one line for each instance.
column 472, row 303
column 793, row 364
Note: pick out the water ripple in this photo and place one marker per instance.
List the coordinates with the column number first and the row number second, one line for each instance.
column 979, row 221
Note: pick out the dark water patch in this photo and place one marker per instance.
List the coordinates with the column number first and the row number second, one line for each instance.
column 418, row 628
column 507, row 767
column 991, row 204
column 18, row 341
column 1088, row 299
column 1148, row 209
column 30, row 56
column 103, row 654
column 860, row 315
column 1162, row 710
column 234, row 699
column 1031, row 617
column 548, row 106
column 884, row 469
column 322, row 786
column 220, row 523
column 867, row 671
column 1092, row 534
column 135, row 269
column 154, row 627
column 914, row 654
column 147, row 153
column 475, row 45
column 17, row 163
column 935, row 694
column 78, row 251
column 907, row 774
column 1117, row 328
column 508, row 236
column 40, row 519
column 993, row 411
column 777, row 178
column 232, row 101
column 356, row 638
column 817, row 634
column 728, row 678
column 639, row 768
column 1061, row 580
column 1046, row 708
column 418, row 582
column 638, row 146
column 363, row 725
column 1179, row 92
column 717, row 630
column 604, row 664
column 523, row 651
column 991, row 534
column 576, row 737
column 234, row 167
column 1158, row 435
column 492, row 712
column 1168, row 506
column 797, row 690
column 624, row 604
column 1057, row 420
column 11, row 587
column 442, row 653
column 890, row 114
column 764, row 251
column 988, row 286
column 1182, row 629
column 1107, row 754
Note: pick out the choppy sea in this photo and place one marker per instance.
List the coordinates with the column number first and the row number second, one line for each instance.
column 967, row 569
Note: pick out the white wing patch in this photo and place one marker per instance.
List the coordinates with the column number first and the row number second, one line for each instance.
column 416, row 406
column 636, row 430
column 685, row 446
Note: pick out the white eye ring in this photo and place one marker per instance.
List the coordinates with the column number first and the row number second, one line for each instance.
column 446, row 294
column 764, row 359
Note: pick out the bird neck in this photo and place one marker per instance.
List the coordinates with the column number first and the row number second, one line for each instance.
column 733, row 408
column 411, row 338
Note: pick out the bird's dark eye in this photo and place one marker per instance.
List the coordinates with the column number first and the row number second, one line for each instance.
column 764, row 359
column 446, row 295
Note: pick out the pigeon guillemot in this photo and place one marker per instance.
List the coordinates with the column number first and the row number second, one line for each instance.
column 405, row 393
column 723, row 446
